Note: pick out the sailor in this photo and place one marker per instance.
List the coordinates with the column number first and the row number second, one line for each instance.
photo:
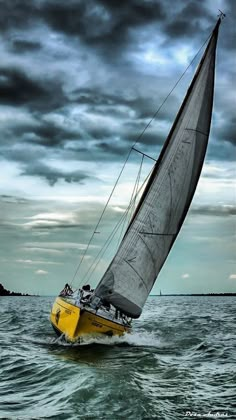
column 86, row 292
column 86, row 287
column 106, row 305
column 78, row 298
column 69, row 291
column 66, row 291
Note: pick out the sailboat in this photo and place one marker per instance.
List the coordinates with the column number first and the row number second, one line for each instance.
column 124, row 288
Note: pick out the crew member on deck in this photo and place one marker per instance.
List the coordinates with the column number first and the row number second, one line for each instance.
column 86, row 292
column 67, row 291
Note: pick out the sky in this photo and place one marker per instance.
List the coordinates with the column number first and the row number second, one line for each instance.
column 79, row 81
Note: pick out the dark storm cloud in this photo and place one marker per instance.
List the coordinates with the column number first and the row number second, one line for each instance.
column 228, row 42
column 52, row 175
column 24, row 154
column 187, row 21
column 115, row 150
column 36, row 132
column 104, row 24
column 24, row 46
column 181, row 28
column 96, row 98
column 118, row 105
column 227, row 131
column 17, row 14
column 133, row 114
column 50, row 134
column 109, row 118
column 18, row 88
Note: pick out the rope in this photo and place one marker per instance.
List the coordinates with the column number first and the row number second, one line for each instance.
column 101, row 216
column 136, row 186
column 132, row 199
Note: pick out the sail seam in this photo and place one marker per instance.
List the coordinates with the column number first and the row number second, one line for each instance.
column 137, row 275
column 158, row 234
column 197, row 131
column 153, row 261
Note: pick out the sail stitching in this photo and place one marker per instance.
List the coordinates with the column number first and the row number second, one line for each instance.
column 171, row 198
column 186, row 170
column 197, row 131
column 148, row 251
column 137, row 274
column 158, row 234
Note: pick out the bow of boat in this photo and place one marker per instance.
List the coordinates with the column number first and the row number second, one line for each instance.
column 75, row 321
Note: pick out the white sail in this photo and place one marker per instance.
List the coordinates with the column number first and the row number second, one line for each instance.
column 166, row 199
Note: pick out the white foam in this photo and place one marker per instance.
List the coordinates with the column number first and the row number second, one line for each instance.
column 140, row 339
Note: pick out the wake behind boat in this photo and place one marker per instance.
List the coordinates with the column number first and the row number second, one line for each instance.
column 123, row 290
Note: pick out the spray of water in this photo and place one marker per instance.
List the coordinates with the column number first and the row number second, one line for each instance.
column 135, row 339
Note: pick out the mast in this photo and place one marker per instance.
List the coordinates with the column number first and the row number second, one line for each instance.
column 166, row 199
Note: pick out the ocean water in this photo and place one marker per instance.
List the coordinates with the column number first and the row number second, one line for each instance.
column 179, row 362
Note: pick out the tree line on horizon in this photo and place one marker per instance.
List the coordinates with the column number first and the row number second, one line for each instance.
column 5, row 292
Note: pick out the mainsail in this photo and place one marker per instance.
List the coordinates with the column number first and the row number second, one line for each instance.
column 167, row 197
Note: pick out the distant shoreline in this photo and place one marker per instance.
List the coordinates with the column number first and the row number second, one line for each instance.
column 197, row 294
column 5, row 292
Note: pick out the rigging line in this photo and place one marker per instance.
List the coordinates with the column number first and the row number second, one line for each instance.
column 107, row 242
column 105, row 246
column 112, row 234
column 132, row 199
column 129, row 153
column 144, row 154
column 123, row 225
column 109, row 239
column 122, row 229
column 136, row 187
column 101, row 216
column 164, row 101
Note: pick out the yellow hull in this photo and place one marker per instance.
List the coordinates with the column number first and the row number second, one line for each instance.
column 74, row 322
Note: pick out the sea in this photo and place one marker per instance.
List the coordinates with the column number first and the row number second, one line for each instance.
column 178, row 363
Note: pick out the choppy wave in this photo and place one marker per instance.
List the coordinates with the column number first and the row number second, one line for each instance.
column 178, row 359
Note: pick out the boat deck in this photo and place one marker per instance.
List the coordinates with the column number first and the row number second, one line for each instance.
column 103, row 313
